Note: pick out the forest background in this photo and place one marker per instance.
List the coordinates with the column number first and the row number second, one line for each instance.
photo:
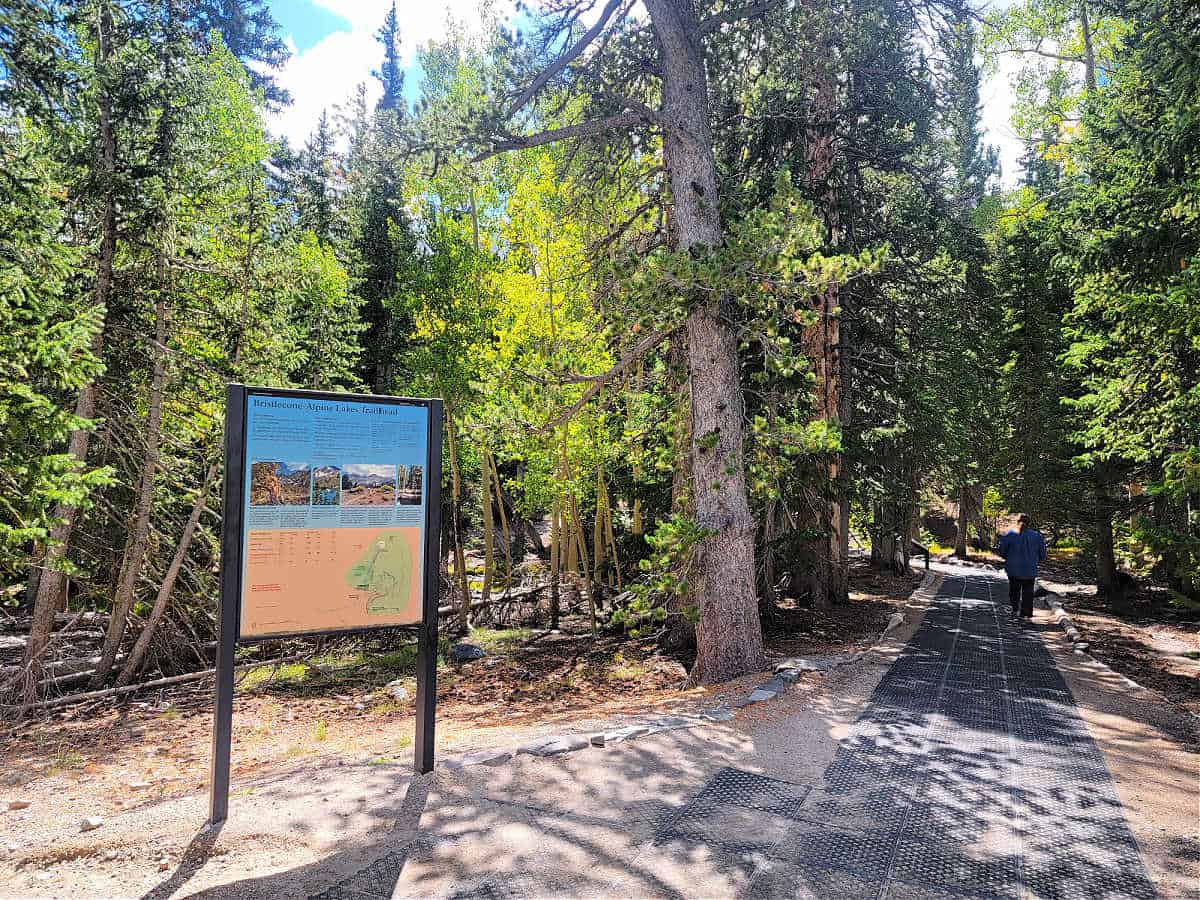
column 715, row 294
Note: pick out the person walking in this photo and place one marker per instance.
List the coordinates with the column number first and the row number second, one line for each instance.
column 1023, row 549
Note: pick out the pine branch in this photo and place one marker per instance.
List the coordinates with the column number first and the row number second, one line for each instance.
column 563, row 61
column 644, row 346
column 725, row 17
column 583, row 129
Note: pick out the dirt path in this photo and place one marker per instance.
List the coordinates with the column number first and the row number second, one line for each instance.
column 143, row 765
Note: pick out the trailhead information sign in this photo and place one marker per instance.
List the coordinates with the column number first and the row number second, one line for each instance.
column 330, row 523
column 333, row 513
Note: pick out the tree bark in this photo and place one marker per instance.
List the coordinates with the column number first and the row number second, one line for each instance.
column 1108, row 580
column 729, row 635
column 139, row 534
column 460, row 561
column 52, row 582
column 680, row 631
column 1089, row 50
column 827, row 578
column 964, row 518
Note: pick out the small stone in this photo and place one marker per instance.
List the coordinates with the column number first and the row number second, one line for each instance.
column 164, row 864
column 1082, row 645
column 895, row 621
column 360, row 706
column 597, row 740
column 804, row 664
column 789, row 675
column 759, row 695
column 493, row 757
column 110, row 855
column 554, row 746
column 466, row 652
column 91, row 823
column 720, row 714
column 745, row 701
column 18, row 804
column 625, row 734
column 397, row 691
column 668, row 722
column 44, row 876
column 139, row 785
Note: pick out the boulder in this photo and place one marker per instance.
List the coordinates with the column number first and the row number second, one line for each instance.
column 466, row 652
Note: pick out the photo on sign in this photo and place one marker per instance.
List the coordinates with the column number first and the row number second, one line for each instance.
column 276, row 483
column 327, row 486
column 368, row 485
column 409, row 486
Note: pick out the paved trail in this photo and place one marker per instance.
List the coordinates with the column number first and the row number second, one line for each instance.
column 969, row 773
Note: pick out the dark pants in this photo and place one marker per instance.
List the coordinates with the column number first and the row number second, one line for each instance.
column 1020, row 591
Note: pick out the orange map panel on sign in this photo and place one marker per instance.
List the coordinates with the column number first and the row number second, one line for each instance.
column 323, row 579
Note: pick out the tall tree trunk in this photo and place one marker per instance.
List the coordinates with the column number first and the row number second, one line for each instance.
column 489, row 530
column 827, row 579
column 555, row 556
column 729, row 635
column 1108, row 580
column 138, row 654
column 139, row 534
column 460, row 560
column 679, row 629
column 1089, row 50
column 964, row 519
column 52, row 582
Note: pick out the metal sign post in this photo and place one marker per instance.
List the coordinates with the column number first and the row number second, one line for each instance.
column 234, row 545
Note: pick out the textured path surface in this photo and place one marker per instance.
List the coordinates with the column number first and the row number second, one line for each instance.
column 970, row 773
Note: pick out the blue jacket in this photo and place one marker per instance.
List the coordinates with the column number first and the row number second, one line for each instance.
column 1022, row 551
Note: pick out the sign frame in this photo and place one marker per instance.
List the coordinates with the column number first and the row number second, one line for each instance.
column 232, row 542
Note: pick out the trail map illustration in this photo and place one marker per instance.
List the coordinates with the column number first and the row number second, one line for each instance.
column 385, row 574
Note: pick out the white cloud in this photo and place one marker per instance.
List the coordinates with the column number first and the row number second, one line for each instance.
column 328, row 73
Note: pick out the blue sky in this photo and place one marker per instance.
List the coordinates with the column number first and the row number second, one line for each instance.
column 334, row 49
column 305, row 22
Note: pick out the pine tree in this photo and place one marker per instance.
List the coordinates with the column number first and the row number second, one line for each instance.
column 391, row 74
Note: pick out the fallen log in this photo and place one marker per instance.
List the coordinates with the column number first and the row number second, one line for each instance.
column 519, row 595
column 144, row 686
column 24, row 623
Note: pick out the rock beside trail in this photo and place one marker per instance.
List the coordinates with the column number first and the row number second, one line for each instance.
column 396, row 690
column 18, row 804
column 804, row 664
column 625, row 734
column 91, row 823
column 554, row 746
column 494, row 757
column 466, row 652
column 897, row 619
